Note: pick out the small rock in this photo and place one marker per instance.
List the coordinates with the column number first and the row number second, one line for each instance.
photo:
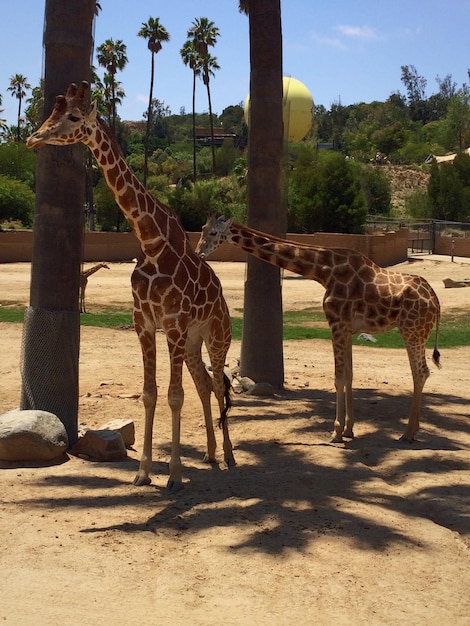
column 261, row 389
column 246, row 383
column 124, row 426
column 101, row 445
column 31, row 436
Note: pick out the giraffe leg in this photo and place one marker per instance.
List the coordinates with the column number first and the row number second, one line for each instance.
column 340, row 383
column 203, row 383
column 175, row 401
column 420, row 372
column 348, row 431
column 149, row 398
column 218, row 343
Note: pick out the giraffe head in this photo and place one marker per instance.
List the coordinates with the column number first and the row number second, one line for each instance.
column 68, row 122
column 214, row 233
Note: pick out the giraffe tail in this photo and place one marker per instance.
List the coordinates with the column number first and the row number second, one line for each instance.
column 228, row 402
column 436, row 355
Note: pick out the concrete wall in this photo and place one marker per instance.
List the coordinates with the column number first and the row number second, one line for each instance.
column 443, row 245
column 385, row 248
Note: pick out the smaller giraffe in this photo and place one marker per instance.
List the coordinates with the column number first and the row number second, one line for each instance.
column 84, row 276
column 360, row 297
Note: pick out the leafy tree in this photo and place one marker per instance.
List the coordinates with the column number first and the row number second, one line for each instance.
column 449, row 189
column 226, row 157
column 16, row 161
column 377, row 190
column 389, row 139
column 155, row 34
column 457, row 121
column 108, row 214
column 416, row 89
column 417, row 205
column 16, row 201
column 325, row 194
column 18, row 86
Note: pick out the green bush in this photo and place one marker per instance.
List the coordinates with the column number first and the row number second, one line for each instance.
column 16, row 201
column 325, row 194
column 377, row 190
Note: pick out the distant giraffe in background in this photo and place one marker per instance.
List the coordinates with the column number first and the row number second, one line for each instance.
column 360, row 297
column 173, row 288
column 84, row 276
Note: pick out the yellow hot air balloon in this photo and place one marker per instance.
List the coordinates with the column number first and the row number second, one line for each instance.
column 297, row 109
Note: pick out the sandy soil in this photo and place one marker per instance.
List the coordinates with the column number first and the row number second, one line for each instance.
column 300, row 532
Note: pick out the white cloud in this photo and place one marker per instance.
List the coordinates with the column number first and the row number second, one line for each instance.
column 358, row 32
column 333, row 42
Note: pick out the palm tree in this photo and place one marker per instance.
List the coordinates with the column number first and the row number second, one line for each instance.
column 155, row 33
column 35, row 108
column 18, row 85
column 3, row 123
column 108, row 94
column 261, row 351
column 112, row 56
column 52, row 321
column 190, row 57
column 204, row 34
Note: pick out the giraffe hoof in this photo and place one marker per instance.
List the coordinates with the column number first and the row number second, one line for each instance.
column 336, row 439
column 349, row 434
column 208, row 459
column 174, row 486
column 141, row 479
column 407, row 438
column 230, row 462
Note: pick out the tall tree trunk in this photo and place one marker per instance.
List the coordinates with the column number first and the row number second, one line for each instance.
column 147, row 128
column 211, row 122
column 194, row 129
column 52, row 322
column 261, row 351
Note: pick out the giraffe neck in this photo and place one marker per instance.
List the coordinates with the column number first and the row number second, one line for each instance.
column 93, row 269
column 153, row 223
column 309, row 261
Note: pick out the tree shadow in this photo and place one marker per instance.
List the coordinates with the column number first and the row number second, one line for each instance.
column 287, row 492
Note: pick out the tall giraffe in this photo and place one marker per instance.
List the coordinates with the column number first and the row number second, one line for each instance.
column 172, row 287
column 84, row 276
column 360, row 297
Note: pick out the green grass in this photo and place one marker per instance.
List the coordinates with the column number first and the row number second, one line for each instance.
column 299, row 325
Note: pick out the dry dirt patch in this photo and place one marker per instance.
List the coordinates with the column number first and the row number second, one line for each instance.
column 301, row 531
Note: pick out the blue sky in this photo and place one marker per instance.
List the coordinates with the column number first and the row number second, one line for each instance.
column 341, row 50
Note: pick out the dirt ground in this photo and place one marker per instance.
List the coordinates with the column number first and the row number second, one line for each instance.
column 301, row 531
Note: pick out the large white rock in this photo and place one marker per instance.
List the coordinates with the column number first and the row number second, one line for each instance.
column 31, row 436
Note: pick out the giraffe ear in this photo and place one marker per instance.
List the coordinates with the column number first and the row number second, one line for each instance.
column 93, row 112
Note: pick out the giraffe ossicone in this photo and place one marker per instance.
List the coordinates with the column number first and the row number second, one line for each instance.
column 172, row 287
column 360, row 297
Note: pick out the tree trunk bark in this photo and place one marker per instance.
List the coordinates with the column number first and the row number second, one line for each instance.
column 52, row 323
column 261, row 351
